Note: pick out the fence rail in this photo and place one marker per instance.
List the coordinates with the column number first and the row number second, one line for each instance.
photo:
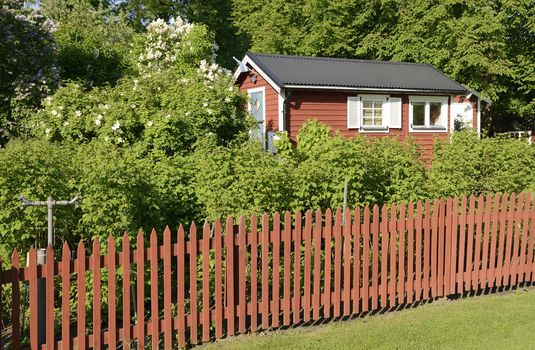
column 268, row 272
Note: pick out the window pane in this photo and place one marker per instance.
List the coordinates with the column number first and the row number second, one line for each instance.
column 367, row 104
column 418, row 113
column 434, row 117
column 367, row 113
column 367, row 121
column 378, row 121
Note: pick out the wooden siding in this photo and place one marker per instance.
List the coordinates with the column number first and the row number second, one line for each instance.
column 330, row 107
column 272, row 97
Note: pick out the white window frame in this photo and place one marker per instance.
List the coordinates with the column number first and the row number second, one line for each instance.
column 370, row 129
column 263, row 90
column 444, row 100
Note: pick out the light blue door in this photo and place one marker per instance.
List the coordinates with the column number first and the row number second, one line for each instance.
column 256, row 107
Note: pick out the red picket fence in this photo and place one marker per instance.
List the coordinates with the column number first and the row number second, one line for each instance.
column 273, row 272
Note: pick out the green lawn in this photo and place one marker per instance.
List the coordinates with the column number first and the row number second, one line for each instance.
column 499, row 321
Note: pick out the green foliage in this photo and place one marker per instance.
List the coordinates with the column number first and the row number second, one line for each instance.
column 28, row 70
column 93, row 42
column 176, row 95
column 470, row 165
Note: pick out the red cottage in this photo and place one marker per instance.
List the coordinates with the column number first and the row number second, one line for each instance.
column 373, row 98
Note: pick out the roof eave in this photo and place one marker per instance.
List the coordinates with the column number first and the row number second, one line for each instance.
column 357, row 88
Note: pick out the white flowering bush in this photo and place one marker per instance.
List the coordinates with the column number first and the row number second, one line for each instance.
column 177, row 94
column 28, row 70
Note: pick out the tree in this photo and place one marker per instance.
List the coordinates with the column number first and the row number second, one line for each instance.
column 93, row 42
column 28, row 70
column 175, row 94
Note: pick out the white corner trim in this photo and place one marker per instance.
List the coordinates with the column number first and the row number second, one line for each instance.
column 247, row 60
column 478, row 115
column 452, row 113
column 282, row 96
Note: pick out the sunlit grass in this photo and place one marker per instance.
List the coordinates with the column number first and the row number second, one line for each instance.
column 498, row 321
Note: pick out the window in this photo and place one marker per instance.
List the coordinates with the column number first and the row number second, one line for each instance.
column 428, row 113
column 256, row 108
column 373, row 113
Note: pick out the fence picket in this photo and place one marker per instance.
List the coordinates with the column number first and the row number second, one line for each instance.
column 384, row 255
column 470, row 244
column 276, row 270
column 327, row 288
column 347, row 262
column 126, row 292
column 435, row 247
column 307, row 236
column 286, row 306
column 181, row 283
column 218, row 285
column 254, row 274
column 454, row 244
column 112, row 324
column 154, row 311
column 95, row 268
column 32, row 266
column 531, row 239
column 140, row 284
column 296, row 306
column 65, row 289
column 49, row 297
column 418, row 222
column 265, row 271
column 441, row 246
column 366, row 259
column 447, row 239
column 242, row 314
column 501, row 247
column 337, row 262
column 410, row 253
column 491, row 279
column 509, row 239
column 462, row 245
column 167, row 302
column 374, row 293
column 477, row 246
column 356, row 261
column 516, row 238
column 486, row 239
column 401, row 263
column 205, row 294
column 193, row 307
column 318, row 223
column 80, row 308
column 393, row 257
column 525, row 222
column 15, row 303
column 426, row 283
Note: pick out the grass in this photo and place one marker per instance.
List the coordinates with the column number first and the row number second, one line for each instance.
column 497, row 321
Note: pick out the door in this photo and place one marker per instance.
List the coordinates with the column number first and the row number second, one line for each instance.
column 257, row 109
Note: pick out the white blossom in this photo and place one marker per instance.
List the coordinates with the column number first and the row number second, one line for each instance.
column 116, row 126
column 54, row 112
column 99, row 119
column 150, row 123
column 78, row 113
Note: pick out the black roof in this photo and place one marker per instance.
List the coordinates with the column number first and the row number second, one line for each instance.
column 319, row 72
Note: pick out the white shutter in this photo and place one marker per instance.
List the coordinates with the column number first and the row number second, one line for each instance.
column 386, row 112
column 395, row 112
column 353, row 112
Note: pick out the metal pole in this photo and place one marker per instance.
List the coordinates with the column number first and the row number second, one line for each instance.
column 41, row 259
column 50, row 205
